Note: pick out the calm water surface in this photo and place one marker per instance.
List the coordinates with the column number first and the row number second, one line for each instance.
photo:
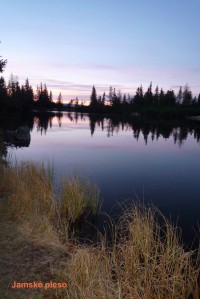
column 127, row 160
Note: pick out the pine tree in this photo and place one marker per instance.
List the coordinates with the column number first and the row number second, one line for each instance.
column 115, row 100
column 51, row 96
column 124, row 101
column 103, row 100
column 59, row 100
column 141, row 92
column 43, row 99
column 129, row 98
column 99, row 100
column 179, row 96
column 139, row 96
column 14, row 93
column 161, row 97
column 148, row 97
column 136, row 99
column 156, row 96
column 77, row 101
column 28, row 96
column 93, row 97
column 187, row 96
column 110, row 95
column 12, row 86
column 170, row 98
column 119, row 96
column 198, row 100
column 3, row 92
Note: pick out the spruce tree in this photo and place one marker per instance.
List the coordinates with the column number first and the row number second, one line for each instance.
column 59, row 100
column 198, row 100
column 77, row 101
column 103, row 100
column 3, row 92
column 148, row 97
column 187, row 96
column 156, row 96
column 179, row 96
column 93, row 97
column 51, row 97
column 28, row 96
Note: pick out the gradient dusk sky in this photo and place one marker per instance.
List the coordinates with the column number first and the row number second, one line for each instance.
column 72, row 45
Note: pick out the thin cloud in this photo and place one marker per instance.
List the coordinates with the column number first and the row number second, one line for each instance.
column 103, row 67
column 176, row 86
column 182, row 85
column 84, row 66
column 196, row 69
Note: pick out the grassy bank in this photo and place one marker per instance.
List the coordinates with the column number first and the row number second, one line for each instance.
column 145, row 260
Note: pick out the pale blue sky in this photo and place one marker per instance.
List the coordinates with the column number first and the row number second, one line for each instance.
column 71, row 45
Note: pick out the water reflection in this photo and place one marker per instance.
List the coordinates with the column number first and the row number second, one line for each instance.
column 150, row 130
column 43, row 121
column 15, row 132
column 20, row 137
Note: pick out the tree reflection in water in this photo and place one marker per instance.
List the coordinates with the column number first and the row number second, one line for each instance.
column 150, row 129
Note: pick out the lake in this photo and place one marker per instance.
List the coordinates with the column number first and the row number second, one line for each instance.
column 154, row 162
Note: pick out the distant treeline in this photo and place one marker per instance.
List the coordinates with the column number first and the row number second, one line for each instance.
column 149, row 103
column 156, row 104
column 14, row 96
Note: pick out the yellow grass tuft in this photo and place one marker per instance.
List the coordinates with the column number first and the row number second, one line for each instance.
column 77, row 196
column 88, row 274
column 27, row 193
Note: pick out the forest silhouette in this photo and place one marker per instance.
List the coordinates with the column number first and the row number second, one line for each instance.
column 153, row 104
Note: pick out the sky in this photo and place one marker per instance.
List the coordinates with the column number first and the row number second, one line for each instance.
column 73, row 45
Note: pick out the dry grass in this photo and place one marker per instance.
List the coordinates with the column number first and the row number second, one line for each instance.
column 28, row 197
column 145, row 261
column 155, row 265
column 77, row 196
column 140, row 265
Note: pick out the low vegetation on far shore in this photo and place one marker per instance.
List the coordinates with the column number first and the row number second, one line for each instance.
column 144, row 259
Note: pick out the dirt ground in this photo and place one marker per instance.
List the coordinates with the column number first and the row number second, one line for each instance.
column 22, row 260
